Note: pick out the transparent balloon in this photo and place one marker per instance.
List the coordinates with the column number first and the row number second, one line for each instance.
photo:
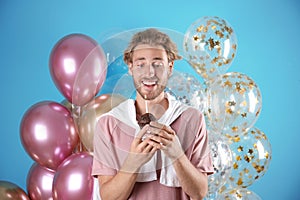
column 252, row 155
column 115, row 44
column 117, row 70
column 210, row 45
column 124, row 86
column 118, row 81
column 238, row 194
column 187, row 89
column 222, row 162
column 215, row 110
column 235, row 103
column 117, row 66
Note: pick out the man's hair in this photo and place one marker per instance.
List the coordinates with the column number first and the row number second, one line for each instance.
column 152, row 37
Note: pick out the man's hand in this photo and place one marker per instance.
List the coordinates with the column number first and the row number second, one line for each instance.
column 164, row 137
column 141, row 151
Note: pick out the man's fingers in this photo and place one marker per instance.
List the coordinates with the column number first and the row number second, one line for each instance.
column 148, row 148
column 164, row 127
column 154, row 143
column 142, row 132
column 158, row 141
column 156, row 125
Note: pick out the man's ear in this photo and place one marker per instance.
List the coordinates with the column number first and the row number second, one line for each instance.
column 171, row 67
column 129, row 68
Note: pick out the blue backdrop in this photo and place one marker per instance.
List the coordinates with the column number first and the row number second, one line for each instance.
column 268, row 51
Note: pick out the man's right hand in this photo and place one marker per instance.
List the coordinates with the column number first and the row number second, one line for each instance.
column 140, row 151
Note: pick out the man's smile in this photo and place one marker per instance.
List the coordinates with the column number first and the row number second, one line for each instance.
column 149, row 82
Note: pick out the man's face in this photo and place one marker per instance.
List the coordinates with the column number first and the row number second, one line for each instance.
column 150, row 70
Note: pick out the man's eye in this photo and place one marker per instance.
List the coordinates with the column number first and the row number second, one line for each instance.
column 157, row 64
column 140, row 65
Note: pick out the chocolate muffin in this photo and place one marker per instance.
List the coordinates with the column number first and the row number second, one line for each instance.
column 145, row 119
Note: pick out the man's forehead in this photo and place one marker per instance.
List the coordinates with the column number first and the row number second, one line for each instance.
column 149, row 54
column 148, row 47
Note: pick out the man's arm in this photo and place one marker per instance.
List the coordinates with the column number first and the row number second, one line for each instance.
column 120, row 185
column 117, row 187
column 193, row 182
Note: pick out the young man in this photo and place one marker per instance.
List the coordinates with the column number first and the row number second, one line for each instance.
column 166, row 159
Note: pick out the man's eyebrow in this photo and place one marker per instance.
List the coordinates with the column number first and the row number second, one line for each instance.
column 143, row 58
column 139, row 58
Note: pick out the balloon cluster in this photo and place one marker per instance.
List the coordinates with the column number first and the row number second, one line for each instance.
column 241, row 152
column 58, row 136
column 93, row 79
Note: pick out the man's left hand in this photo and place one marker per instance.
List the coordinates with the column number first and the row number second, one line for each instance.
column 164, row 137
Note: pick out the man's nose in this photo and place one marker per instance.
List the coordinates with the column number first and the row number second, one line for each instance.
column 150, row 70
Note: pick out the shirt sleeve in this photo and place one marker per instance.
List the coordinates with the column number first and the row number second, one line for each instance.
column 199, row 153
column 103, row 162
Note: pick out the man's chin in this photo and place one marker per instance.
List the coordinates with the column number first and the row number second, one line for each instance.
column 147, row 95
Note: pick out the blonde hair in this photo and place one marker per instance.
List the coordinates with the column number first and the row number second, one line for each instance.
column 152, row 37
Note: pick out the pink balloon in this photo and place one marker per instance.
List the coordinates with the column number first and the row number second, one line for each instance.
column 78, row 68
column 48, row 133
column 39, row 182
column 73, row 179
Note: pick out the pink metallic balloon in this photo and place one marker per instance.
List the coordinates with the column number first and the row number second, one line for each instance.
column 73, row 178
column 48, row 133
column 78, row 68
column 11, row 191
column 39, row 182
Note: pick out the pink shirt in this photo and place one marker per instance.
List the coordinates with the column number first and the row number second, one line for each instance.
column 113, row 139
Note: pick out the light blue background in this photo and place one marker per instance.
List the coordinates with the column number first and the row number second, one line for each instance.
column 268, row 34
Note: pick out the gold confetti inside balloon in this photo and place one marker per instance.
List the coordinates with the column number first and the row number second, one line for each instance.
column 238, row 194
column 251, row 153
column 210, row 45
column 222, row 162
column 187, row 89
column 235, row 103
